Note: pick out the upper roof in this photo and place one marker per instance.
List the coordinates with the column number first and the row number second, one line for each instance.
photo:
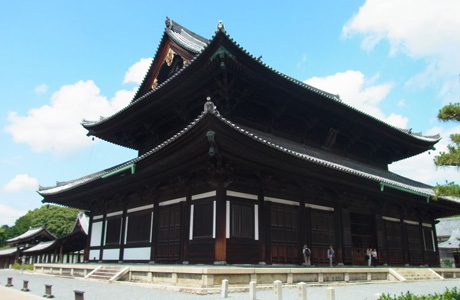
column 32, row 233
column 149, row 108
column 298, row 151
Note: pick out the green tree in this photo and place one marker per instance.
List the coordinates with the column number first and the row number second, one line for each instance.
column 58, row 220
column 450, row 112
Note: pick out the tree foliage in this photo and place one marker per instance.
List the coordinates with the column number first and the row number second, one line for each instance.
column 58, row 220
column 450, row 112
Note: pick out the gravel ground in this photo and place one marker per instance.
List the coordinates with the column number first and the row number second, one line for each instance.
column 63, row 289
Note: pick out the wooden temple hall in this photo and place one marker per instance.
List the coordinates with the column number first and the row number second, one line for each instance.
column 240, row 164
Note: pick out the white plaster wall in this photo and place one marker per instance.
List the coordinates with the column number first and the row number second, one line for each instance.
column 137, row 253
column 111, row 254
column 94, row 254
column 96, row 232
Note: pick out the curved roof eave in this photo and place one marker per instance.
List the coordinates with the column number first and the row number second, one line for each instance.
column 389, row 178
column 431, row 140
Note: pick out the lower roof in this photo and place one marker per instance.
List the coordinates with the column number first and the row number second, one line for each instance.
column 306, row 153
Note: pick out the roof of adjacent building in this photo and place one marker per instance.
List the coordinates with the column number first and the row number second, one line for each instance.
column 452, row 242
column 299, row 151
column 40, row 247
column 8, row 252
column 32, row 233
column 446, row 226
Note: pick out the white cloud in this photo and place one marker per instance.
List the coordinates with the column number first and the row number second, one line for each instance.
column 8, row 215
column 422, row 167
column 40, row 89
column 419, row 28
column 359, row 93
column 56, row 127
column 19, row 183
column 137, row 71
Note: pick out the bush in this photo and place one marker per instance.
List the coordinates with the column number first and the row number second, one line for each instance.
column 446, row 263
column 18, row 266
column 447, row 295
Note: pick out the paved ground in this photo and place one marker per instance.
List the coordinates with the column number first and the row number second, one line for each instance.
column 63, row 289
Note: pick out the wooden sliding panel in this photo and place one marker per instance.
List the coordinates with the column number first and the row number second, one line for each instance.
column 169, row 229
column 284, row 235
column 323, row 235
column 394, row 242
column 415, row 242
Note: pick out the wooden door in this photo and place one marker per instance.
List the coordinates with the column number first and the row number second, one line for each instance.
column 169, row 229
column 323, row 235
column 284, row 234
column 415, row 244
column 393, row 234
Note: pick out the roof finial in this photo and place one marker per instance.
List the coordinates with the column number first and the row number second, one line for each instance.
column 209, row 106
column 221, row 26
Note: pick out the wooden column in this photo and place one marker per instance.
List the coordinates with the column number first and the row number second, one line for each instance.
column 123, row 232
column 302, row 225
column 156, row 219
column 104, row 223
column 262, row 228
column 382, row 251
column 186, row 223
column 338, row 234
column 346, row 235
column 420, row 227
column 404, row 239
column 60, row 254
column 435, row 237
column 88, row 239
column 220, row 246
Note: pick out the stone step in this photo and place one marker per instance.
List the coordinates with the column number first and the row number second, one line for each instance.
column 417, row 274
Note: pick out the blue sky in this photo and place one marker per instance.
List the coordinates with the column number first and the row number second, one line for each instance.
column 63, row 61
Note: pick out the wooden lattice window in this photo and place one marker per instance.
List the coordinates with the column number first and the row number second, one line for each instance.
column 242, row 221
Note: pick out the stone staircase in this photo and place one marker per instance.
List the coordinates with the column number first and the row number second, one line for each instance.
column 107, row 273
column 412, row 274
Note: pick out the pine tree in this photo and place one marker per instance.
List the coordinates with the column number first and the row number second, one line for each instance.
column 451, row 158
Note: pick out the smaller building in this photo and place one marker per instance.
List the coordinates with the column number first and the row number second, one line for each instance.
column 448, row 230
column 66, row 249
column 28, row 239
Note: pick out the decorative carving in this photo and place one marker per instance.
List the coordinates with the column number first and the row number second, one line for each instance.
column 330, row 139
column 169, row 57
column 155, row 83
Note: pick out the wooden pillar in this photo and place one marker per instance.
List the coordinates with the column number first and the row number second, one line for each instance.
column 104, row 224
column 435, row 238
column 420, row 230
column 60, row 254
column 262, row 227
column 346, row 235
column 220, row 245
column 88, row 239
column 186, row 223
column 339, row 255
column 156, row 220
column 381, row 239
column 123, row 232
column 404, row 239
column 303, row 225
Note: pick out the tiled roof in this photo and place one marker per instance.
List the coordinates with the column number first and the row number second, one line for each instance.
column 28, row 234
column 446, row 226
column 41, row 246
column 186, row 37
column 8, row 252
column 300, row 151
column 452, row 242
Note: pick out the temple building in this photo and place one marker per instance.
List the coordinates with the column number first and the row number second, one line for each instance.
column 239, row 163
